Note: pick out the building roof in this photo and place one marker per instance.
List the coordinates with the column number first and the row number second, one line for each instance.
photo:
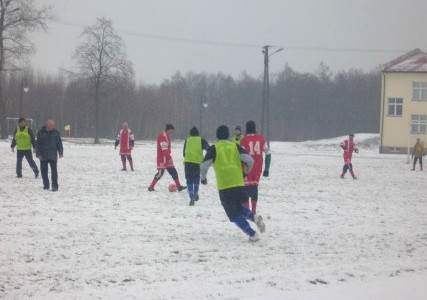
column 414, row 61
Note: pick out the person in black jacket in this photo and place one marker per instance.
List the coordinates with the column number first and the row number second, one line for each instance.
column 49, row 145
column 24, row 140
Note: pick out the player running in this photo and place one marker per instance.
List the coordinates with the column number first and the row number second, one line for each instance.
column 349, row 146
column 227, row 159
column 126, row 140
column 164, row 159
column 193, row 157
column 256, row 146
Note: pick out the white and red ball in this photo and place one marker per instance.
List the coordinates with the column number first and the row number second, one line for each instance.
column 172, row 188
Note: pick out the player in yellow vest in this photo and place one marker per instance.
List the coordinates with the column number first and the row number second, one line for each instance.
column 24, row 141
column 227, row 158
column 193, row 157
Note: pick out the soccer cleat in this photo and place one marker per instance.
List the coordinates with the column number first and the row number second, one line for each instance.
column 254, row 238
column 259, row 223
column 342, row 176
column 196, row 198
column 54, row 189
column 36, row 174
column 151, row 189
column 181, row 188
column 192, row 202
column 18, row 176
column 354, row 177
column 124, row 169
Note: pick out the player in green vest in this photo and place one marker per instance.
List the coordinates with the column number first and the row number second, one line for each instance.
column 237, row 134
column 228, row 158
column 24, row 141
column 193, row 157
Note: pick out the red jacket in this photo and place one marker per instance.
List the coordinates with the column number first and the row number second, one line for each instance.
column 164, row 157
column 348, row 147
column 126, row 141
column 256, row 146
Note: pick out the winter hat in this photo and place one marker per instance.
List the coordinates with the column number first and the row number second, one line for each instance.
column 222, row 132
column 238, row 128
column 169, row 127
column 21, row 120
column 194, row 131
column 250, row 127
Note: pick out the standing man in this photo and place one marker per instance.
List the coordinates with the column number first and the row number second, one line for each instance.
column 193, row 157
column 126, row 140
column 49, row 145
column 418, row 154
column 164, row 159
column 237, row 134
column 256, row 146
column 227, row 159
column 24, row 141
column 349, row 147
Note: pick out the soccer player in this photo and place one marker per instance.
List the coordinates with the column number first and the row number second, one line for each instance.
column 193, row 157
column 349, row 147
column 237, row 134
column 227, row 159
column 256, row 146
column 164, row 159
column 126, row 140
column 24, row 140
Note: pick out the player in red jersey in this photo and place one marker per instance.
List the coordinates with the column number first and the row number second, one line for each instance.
column 349, row 146
column 164, row 159
column 256, row 145
column 126, row 140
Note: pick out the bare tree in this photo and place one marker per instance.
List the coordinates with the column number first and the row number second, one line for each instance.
column 17, row 19
column 102, row 60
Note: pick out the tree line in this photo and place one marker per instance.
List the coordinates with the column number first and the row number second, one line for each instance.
column 102, row 93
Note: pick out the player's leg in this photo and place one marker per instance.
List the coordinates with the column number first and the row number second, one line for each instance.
column 174, row 174
column 29, row 157
column 45, row 176
column 156, row 179
column 123, row 158
column 344, row 170
column 19, row 157
column 421, row 163
column 129, row 158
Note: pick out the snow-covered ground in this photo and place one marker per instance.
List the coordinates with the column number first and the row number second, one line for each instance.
column 103, row 236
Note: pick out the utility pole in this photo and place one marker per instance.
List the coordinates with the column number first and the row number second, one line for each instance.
column 265, row 118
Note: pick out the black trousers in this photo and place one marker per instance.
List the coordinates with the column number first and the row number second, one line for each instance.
column 20, row 154
column 192, row 171
column 44, row 166
column 420, row 159
column 232, row 200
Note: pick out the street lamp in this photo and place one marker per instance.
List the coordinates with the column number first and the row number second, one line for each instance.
column 203, row 105
column 24, row 91
column 265, row 118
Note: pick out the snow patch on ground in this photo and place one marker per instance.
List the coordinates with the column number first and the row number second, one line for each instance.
column 104, row 236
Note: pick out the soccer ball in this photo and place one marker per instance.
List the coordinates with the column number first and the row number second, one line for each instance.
column 172, row 188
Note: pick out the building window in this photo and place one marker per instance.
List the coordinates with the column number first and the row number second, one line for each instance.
column 419, row 91
column 395, row 107
column 419, row 124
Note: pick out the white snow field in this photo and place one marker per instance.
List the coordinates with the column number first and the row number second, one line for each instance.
column 103, row 236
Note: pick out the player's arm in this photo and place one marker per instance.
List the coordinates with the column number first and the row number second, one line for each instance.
column 205, row 145
column 246, row 159
column 117, row 142
column 131, row 141
column 13, row 145
column 183, row 149
column 267, row 161
column 207, row 163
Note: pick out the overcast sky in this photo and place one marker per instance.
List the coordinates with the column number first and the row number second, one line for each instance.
column 365, row 24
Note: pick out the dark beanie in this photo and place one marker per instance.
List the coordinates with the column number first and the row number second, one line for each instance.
column 194, row 131
column 222, row 133
column 169, row 127
column 250, row 127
